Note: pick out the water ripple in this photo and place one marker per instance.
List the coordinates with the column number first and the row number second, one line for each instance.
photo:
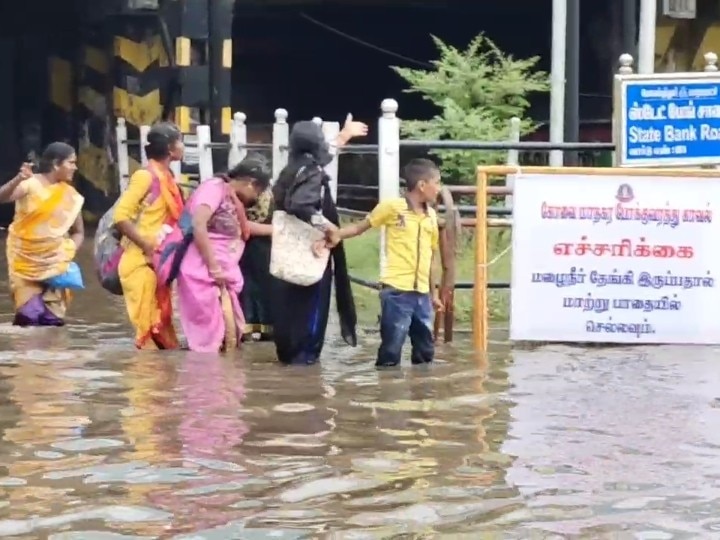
column 100, row 442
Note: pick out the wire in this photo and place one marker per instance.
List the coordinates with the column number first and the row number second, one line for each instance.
column 425, row 65
column 364, row 43
column 497, row 257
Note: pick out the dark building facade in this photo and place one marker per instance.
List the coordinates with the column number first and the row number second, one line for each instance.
column 74, row 67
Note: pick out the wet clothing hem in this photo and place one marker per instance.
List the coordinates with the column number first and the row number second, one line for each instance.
column 35, row 312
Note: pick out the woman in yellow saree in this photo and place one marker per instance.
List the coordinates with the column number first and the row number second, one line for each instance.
column 151, row 203
column 44, row 236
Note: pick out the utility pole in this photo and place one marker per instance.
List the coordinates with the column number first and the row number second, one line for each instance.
column 646, row 44
column 629, row 26
column 572, row 88
column 557, row 79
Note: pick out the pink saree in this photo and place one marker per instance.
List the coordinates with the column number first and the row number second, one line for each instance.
column 211, row 317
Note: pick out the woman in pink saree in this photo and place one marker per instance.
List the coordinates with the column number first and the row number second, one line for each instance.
column 209, row 279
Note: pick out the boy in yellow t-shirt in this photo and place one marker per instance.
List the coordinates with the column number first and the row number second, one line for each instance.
column 409, row 291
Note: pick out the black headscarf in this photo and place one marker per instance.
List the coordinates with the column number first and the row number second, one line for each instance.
column 308, row 138
column 307, row 148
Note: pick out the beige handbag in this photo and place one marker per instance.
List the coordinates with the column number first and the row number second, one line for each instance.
column 291, row 256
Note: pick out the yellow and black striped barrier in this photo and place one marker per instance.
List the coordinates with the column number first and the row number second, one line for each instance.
column 61, row 95
column 140, row 61
column 186, row 116
column 96, row 171
column 221, row 60
column 125, row 72
column 192, row 53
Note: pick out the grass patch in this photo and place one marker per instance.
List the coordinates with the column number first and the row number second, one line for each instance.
column 363, row 256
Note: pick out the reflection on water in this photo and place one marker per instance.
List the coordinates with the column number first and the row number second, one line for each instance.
column 98, row 441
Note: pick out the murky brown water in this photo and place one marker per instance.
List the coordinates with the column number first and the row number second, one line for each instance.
column 99, row 442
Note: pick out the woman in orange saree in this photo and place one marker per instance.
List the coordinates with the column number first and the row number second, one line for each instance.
column 44, row 236
column 151, row 203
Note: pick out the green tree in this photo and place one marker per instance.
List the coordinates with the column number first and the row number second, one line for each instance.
column 477, row 91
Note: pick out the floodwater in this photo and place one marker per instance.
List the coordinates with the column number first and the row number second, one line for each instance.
column 100, row 442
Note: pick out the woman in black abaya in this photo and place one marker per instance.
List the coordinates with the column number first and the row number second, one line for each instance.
column 301, row 313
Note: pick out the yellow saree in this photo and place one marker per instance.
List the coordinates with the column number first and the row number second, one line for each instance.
column 38, row 248
column 150, row 205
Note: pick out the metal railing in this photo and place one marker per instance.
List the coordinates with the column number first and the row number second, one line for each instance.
column 453, row 216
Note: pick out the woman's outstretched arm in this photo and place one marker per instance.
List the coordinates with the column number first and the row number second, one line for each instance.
column 259, row 229
column 13, row 190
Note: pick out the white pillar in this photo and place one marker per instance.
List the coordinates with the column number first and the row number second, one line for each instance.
column 205, row 159
column 388, row 159
column 123, row 155
column 626, row 64
column 513, row 157
column 331, row 130
column 646, row 39
column 238, row 140
column 281, row 139
column 557, row 79
column 144, row 130
column 711, row 60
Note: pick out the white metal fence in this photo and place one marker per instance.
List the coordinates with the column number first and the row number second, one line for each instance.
column 201, row 146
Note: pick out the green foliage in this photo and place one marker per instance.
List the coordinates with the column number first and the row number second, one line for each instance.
column 477, row 91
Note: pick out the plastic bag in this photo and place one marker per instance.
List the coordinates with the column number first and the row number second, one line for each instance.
column 72, row 279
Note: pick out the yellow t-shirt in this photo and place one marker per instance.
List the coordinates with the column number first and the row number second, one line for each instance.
column 410, row 240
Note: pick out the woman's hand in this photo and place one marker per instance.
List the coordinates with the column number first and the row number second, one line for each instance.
column 332, row 237
column 11, row 191
column 351, row 129
column 218, row 276
column 148, row 250
column 25, row 172
column 320, row 248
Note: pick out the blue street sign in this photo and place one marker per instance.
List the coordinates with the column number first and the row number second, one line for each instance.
column 667, row 120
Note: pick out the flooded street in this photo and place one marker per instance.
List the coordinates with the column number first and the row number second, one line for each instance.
column 100, row 442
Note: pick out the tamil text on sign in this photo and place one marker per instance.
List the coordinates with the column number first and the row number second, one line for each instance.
column 671, row 122
column 615, row 259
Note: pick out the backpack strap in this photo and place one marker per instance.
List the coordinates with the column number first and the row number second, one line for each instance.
column 171, row 194
column 154, row 185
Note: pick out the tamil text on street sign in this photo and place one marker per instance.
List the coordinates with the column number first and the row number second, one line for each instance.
column 667, row 120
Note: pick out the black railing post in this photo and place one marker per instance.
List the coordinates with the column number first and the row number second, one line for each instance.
column 572, row 80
